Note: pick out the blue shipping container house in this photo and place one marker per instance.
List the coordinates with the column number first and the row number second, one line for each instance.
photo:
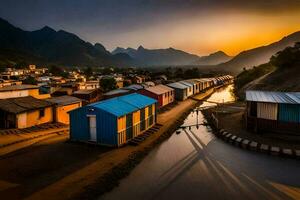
column 113, row 122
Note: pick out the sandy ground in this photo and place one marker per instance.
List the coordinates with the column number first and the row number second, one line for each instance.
column 13, row 142
column 231, row 118
column 56, row 169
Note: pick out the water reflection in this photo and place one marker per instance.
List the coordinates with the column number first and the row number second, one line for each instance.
column 195, row 165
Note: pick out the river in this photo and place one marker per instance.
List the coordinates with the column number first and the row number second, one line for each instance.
column 196, row 165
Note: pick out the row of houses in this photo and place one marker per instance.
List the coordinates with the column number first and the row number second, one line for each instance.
column 117, row 120
column 23, row 105
column 187, row 88
column 27, row 110
column 273, row 111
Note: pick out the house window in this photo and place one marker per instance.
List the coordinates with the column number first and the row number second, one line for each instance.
column 42, row 113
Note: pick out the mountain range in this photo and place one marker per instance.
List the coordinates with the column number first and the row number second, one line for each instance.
column 170, row 56
column 48, row 46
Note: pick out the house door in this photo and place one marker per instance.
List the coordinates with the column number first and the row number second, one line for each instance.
column 129, row 127
column 93, row 128
column 143, row 119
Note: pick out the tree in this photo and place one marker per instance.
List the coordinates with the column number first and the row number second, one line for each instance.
column 289, row 57
column 21, row 65
column 88, row 72
column 108, row 84
column 178, row 73
column 57, row 71
column 30, row 80
column 107, row 71
column 191, row 73
column 168, row 72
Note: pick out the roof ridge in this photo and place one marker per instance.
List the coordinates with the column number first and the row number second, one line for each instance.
column 131, row 95
column 13, row 100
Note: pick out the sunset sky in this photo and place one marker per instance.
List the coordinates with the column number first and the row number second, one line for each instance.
column 195, row 26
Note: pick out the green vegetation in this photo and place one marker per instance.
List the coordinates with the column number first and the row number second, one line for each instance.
column 284, row 76
column 88, row 72
column 108, row 84
column 30, row 80
column 289, row 57
column 57, row 71
column 249, row 75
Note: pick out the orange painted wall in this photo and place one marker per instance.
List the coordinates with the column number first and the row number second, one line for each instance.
column 62, row 115
column 121, row 130
column 34, row 119
column 35, row 93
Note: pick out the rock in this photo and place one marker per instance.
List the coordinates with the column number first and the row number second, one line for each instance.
column 238, row 141
column 287, row 152
column 232, row 139
column 275, row 151
column 224, row 133
column 253, row 146
column 245, row 144
column 228, row 136
column 297, row 153
column 264, row 148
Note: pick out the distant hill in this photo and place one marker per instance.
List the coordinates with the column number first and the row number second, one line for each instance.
column 49, row 46
column 156, row 57
column 260, row 55
column 171, row 56
column 213, row 59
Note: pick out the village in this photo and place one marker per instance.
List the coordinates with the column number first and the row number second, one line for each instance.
column 77, row 110
column 57, row 100
column 121, row 117
column 150, row 100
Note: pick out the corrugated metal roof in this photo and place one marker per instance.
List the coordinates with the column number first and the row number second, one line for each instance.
column 84, row 91
column 138, row 100
column 191, row 81
column 123, row 105
column 18, row 87
column 177, row 85
column 186, row 83
column 23, row 104
column 134, row 87
column 64, row 100
column 115, row 107
column 116, row 91
column 159, row 89
column 273, row 97
column 204, row 80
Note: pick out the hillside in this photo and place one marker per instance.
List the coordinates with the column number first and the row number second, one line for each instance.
column 280, row 74
column 213, row 59
column 49, row 46
column 260, row 55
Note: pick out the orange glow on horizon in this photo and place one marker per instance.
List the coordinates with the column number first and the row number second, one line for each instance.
column 231, row 32
column 237, row 45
